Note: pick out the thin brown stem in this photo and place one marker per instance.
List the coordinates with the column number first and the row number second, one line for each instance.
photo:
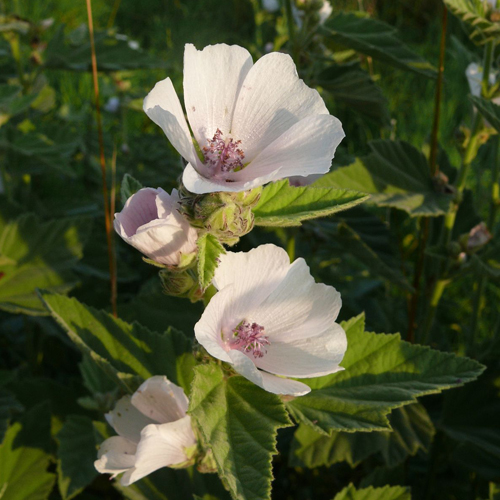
column 439, row 93
column 107, row 218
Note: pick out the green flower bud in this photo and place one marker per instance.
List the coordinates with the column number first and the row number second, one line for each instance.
column 181, row 284
column 228, row 216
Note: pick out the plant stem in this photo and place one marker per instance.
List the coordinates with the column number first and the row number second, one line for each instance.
column 434, row 168
column 290, row 246
column 107, row 219
column 450, row 218
column 439, row 93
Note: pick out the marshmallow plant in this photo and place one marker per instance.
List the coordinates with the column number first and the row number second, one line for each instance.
column 153, row 432
column 252, row 123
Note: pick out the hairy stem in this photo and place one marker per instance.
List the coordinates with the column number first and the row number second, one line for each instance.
column 107, row 218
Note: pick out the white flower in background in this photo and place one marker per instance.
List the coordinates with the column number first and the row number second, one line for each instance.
column 474, row 74
column 150, row 221
column 493, row 3
column 271, row 5
column 270, row 320
column 324, row 13
column 153, row 432
column 113, row 105
column 254, row 123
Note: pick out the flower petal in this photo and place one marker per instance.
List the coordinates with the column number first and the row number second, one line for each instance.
column 271, row 383
column 298, row 308
column 196, row 183
column 212, row 81
column 163, row 107
column 139, row 209
column 127, row 420
column 314, row 356
column 257, row 272
column 161, row 446
column 115, row 455
column 271, row 100
column 213, row 322
column 160, row 400
column 304, row 149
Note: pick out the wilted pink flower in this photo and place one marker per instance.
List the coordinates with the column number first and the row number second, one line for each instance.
column 153, row 432
column 478, row 237
column 270, row 320
column 253, row 123
column 150, row 221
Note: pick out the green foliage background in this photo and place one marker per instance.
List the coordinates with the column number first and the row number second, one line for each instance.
column 58, row 378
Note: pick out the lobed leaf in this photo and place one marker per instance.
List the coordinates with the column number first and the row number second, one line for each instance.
column 376, row 39
column 35, row 254
column 382, row 373
column 209, row 249
column 123, row 350
column 129, row 187
column 395, row 174
column 371, row 493
column 76, row 454
column 239, row 422
column 282, row 205
column 472, row 13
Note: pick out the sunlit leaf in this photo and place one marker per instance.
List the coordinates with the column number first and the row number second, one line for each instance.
column 209, row 249
column 385, row 493
column 239, row 421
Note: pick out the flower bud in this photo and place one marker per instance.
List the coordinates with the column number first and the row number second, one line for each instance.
column 151, row 222
column 228, row 216
column 181, row 284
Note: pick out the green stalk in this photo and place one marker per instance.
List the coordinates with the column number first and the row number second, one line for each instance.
column 450, row 218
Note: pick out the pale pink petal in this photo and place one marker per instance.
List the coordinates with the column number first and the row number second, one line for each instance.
column 254, row 274
column 212, row 81
column 160, row 400
column 271, row 100
column 313, row 356
column 127, row 420
column 271, row 383
column 115, row 455
column 139, row 209
column 163, row 107
column 161, row 446
column 223, row 306
column 306, row 148
column 298, row 308
column 197, row 183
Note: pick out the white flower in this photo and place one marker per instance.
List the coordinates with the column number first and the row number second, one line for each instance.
column 153, row 432
column 113, row 105
column 150, row 221
column 271, row 5
column 269, row 319
column 255, row 123
column 299, row 181
column 474, row 74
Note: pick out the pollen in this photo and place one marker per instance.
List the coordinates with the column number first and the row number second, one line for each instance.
column 250, row 338
column 223, row 155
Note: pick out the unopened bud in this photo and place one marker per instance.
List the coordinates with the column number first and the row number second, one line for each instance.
column 181, row 284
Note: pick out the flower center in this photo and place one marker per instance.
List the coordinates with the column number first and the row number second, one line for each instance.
column 250, row 338
column 223, row 156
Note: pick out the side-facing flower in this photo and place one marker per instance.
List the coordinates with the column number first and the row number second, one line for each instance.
column 253, row 123
column 153, row 432
column 270, row 320
column 151, row 222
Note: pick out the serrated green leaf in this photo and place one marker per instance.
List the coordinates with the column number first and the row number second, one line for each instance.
column 76, row 454
column 282, row 205
column 382, row 373
column 24, row 460
column 121, row 348
column 35, row 254
column 395, row 174
column 489, row 110
column 8, row 405
column 129, row 187
column 412, row 430
column 376, row 39
column 239, row 422
column 354, row 88
column 472, row 13
column 371, row 493
column 209, row 249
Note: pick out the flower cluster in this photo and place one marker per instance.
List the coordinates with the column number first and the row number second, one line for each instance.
column 268, row 320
